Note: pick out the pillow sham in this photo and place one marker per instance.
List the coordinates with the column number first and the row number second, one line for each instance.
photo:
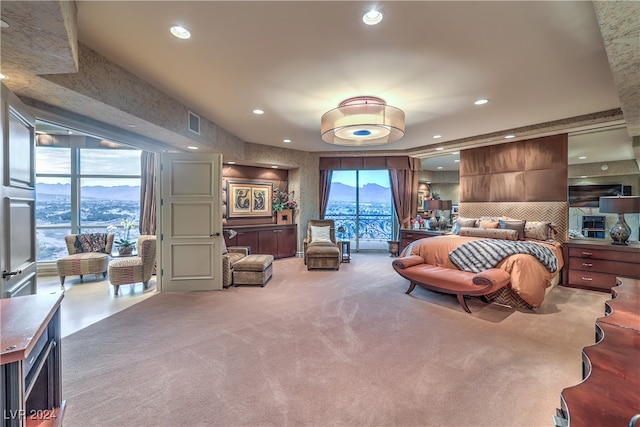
column 538, row 230
column 514, row 224
column 489, row 233
column 467, row 222
column 320, row 234
column 489, row 224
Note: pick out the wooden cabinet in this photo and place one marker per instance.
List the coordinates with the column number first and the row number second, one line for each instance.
column 407, row 235
column 277, row 240
column 609, row 394
column 594, row 264
column 30, row 360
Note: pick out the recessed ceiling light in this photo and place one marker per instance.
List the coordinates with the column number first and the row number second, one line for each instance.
column 439, row 149
column 439, row 167
column 286, row 140
column 4, row 24
column 583, row 176
column 509, row 136
column 274, row 167
column 231, row 163
column 191, row 147
column 437, row 136
column 481, row 101
column 180, row 32
column 131, row 125
column 258, row 111
column 372, row 17
column 582, row 157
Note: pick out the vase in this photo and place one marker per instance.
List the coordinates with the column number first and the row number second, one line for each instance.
column 416, row 226
column 125, row 250
column 285, row 216
column 433, row 223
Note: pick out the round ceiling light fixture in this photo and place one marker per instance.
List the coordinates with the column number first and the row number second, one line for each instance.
column 180, row 32
column 362, row 121
column 372, row 17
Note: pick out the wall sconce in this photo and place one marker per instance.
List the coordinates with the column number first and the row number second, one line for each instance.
column 620, row 205
column 231, row 233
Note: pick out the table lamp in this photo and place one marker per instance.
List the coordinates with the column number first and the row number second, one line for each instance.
column 341, row 230
column 620, row 205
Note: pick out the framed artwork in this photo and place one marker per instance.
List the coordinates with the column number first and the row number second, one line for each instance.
column 249, row 199
column 421, row 197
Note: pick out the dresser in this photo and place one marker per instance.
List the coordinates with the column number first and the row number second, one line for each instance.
column 609, row 394
column 594, row 264
column 408, row 235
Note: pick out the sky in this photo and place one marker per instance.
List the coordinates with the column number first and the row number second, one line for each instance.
column 380, row 177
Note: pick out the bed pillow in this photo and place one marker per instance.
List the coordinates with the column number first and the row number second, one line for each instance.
column 468, row 222
column 488, row 224
column 320, row 234
column 538, row 230
column 514, row 224
column 489, row 233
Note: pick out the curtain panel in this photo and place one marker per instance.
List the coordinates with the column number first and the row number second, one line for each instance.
column 148, row 191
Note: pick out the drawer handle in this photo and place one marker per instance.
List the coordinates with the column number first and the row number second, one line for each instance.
column 587, row 264
column 588, row 279
column 587, row 253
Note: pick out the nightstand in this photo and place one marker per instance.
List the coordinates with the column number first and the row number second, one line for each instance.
column 594, row 264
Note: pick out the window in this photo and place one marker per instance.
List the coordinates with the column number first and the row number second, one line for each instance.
column 361, row 202
column 83, row 185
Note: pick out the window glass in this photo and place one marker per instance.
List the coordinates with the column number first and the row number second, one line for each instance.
column 53, row 160
column 51, row 244
column 109, row 162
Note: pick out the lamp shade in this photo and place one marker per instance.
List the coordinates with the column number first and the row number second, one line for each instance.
column 620, row 204
column 433, row 205
column 446, row 205
column 362, row 121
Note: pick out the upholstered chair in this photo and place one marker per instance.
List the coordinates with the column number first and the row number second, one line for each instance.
column 134, row 269
column 88, row 254
column 229, row 259
column 321, row 249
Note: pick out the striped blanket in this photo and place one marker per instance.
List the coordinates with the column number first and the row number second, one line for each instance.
column 480, row 255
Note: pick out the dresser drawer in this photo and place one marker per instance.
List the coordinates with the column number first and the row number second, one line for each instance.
column 593, row 280
column 626, row 269
column 597, row 253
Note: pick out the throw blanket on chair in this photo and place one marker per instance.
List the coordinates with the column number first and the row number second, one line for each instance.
column 480, row 255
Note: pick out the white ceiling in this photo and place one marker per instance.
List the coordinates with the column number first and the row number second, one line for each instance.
column 535, row 61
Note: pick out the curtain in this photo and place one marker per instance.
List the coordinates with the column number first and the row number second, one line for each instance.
column 403, row 182
column 148, row 189
column 325, row 186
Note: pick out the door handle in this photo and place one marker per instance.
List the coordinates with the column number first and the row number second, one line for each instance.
column 6, row 273
column 214, row 235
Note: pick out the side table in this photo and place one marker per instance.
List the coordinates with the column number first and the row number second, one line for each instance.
column 346, row 250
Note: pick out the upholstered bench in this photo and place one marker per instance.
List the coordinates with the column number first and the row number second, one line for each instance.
column 253, row 270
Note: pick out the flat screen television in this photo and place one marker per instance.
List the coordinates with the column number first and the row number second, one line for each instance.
column 588, row 196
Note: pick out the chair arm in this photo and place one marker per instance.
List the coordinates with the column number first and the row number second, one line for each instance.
column 491, row 277
column 238, row 250
column 408, row 261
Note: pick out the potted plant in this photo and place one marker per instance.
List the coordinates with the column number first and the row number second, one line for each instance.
column 283, row 205
column 123, row 242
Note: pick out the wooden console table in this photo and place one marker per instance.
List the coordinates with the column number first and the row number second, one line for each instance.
column 30, row 361
column 408, row 235
column 609, row 394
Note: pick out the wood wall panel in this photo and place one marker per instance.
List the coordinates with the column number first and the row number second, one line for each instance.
column 546, row 185
column 507, row 158
column 529, row 170
column 547, row 153
column 506, row 187
column 474, row 188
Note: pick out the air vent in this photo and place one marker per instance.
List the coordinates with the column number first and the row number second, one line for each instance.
column 194, row 123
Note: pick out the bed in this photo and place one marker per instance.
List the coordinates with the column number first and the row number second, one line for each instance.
column 530, row 279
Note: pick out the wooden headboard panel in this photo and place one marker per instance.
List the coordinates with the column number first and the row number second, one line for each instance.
column 555, row 212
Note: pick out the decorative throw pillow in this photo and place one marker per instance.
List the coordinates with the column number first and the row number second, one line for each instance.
column 489, row 233
column 538, row 230
column 467, row 222
column 489, row 224
column 320, row 234
column 514, row 224
column 91, row 242
column 224, row 247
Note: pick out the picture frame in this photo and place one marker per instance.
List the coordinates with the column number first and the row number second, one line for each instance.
column 454, row 210
column 421, row 196
column 249, row 199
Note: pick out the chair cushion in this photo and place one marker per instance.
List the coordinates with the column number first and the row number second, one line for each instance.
column 320, row 234
column 321, row 250
column 234, row 257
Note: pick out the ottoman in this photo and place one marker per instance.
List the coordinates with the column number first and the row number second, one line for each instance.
column 253, row 270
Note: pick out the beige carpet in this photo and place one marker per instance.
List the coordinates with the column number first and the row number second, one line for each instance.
column 327, row 348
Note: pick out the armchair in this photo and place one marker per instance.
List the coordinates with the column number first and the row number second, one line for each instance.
column 88, row 254
column 134, row 269
column 229, row 259
column 321, row 249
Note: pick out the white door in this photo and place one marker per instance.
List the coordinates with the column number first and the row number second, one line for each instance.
column 191, row 222
column 17, row 198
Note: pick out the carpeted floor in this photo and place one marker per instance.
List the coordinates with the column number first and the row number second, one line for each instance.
column 321, row 348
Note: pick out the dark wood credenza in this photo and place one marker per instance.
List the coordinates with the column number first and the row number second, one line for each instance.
column 30, row 360
column 408, row 235
column 609, row 394
column 277, row 240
